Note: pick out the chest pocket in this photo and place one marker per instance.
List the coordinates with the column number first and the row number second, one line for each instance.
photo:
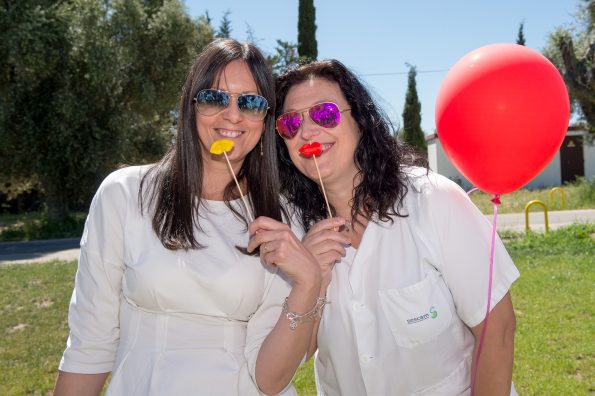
column 418, row 313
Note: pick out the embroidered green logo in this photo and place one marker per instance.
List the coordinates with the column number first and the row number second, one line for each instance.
column 433, row 312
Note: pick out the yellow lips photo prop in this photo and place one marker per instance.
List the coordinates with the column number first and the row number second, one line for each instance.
column 221, row 146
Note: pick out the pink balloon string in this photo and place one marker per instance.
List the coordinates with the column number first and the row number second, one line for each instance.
column 496, row 202
column 472, row 190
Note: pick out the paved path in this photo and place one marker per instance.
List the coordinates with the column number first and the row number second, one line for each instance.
column 68, row 249
column 39, row 251
column 556, row 219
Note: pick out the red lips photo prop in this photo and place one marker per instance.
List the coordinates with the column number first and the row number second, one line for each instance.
column 310, row 149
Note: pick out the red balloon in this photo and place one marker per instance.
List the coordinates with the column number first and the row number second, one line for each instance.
column 502, row 112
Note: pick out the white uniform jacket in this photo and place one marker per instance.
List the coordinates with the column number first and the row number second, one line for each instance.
column 402, row 303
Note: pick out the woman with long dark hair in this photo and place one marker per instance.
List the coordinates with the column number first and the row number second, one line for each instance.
column 404, row 254
column 171, row 294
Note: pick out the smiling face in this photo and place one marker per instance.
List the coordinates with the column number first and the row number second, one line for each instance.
column 336, row 162
column 230, row 123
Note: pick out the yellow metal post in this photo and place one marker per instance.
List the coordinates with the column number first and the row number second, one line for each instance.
column 552, row 191
column 531, row 203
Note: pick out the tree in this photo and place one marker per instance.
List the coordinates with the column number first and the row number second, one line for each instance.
column 251, row 35
column 520, row 40
column 572, row 50
column 86, row 85
column 204, row 33
column 307, row 46
column 285, row 58
column 412, row 133
column 224, row 30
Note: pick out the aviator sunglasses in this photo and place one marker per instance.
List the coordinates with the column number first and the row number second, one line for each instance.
column 325, row 114
column 212, row 101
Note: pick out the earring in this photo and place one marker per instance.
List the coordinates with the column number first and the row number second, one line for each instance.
column 261, row 151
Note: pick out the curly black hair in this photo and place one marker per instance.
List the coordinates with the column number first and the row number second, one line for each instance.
column 380, row 160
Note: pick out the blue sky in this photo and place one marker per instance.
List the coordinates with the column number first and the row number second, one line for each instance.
column 377, row 38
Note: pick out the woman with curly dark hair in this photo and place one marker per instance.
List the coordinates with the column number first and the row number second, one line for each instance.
column 403, row 251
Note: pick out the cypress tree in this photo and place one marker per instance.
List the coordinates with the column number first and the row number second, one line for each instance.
column 521, row 36
column 224, row 30
column 412, row 132
column 307, row 46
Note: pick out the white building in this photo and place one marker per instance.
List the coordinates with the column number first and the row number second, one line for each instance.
column 575, row 158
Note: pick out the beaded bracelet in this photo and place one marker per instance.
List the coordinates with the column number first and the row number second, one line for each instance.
column 295, row 318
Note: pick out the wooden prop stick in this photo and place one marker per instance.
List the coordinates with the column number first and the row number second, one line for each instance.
column 310, row 150
column 328, row 207
column 239, row 188
column 222, row 146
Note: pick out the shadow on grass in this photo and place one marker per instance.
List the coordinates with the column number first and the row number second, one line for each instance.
column 37, row 226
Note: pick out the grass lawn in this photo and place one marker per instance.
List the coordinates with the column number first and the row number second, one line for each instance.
column 33, row 311
column 577, row 195
column 554, row 302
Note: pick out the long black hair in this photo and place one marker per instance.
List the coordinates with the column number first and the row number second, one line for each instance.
column 380, row 160
column 172, row 188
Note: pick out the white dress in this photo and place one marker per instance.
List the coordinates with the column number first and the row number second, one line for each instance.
column 401, row 304
column 168, row 322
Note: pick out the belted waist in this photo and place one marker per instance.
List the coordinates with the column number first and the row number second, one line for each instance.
column 164, row 330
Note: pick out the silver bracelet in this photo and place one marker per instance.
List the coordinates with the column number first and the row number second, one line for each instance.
column 295, row 318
